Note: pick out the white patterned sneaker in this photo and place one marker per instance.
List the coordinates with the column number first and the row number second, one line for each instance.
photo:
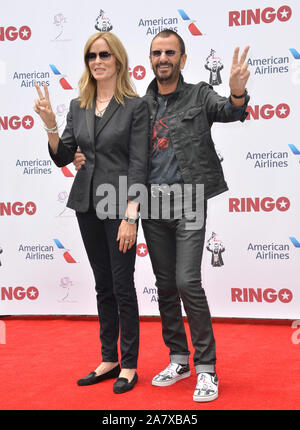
column 171, row 374
column 206, row 388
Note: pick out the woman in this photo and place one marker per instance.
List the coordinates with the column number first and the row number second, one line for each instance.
column 109, row 123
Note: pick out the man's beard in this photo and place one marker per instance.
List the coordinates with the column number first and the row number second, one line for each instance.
column 170, row 77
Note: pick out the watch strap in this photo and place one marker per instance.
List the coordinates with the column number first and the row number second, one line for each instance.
column 241, row 96
column 130, row 219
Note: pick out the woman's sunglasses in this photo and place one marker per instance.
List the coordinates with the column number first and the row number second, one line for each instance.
column 103, row 55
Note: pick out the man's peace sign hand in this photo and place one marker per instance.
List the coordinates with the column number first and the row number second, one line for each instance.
column 239, row 73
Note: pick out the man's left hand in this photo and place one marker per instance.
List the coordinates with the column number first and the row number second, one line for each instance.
column 239, row 73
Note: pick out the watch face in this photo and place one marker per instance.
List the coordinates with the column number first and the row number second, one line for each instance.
column 131, row 220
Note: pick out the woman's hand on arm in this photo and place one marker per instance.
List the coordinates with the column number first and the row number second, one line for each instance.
column 79, row 159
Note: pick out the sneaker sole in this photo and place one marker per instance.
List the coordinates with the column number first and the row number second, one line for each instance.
column 205, row 399
column 173, row 381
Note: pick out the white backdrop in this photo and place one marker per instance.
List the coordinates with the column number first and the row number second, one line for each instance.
column 44, row 268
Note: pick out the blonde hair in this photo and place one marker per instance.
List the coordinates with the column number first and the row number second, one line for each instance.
column 87, row 83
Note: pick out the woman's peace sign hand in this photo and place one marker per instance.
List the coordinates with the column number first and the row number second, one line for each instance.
column 42, row 107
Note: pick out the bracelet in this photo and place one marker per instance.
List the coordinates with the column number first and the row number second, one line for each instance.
column 46, row 128
column 240, row 97
column 52, row 130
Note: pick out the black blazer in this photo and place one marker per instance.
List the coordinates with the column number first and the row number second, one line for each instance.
column 118, row 147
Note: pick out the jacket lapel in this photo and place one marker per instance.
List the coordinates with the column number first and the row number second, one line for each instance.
column 111, row 108
column 90, row 120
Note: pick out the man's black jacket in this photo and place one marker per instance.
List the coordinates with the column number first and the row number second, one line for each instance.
column 191, row 112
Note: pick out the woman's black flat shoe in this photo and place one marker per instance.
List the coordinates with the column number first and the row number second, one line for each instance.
column 122, row 385
column 92, row 377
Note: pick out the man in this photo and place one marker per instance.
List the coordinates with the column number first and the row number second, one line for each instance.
column 182, row 153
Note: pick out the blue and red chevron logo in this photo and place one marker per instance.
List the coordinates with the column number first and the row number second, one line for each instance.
column 61, row 78
column 295, row 53
column 294, row 149
column 295, row 242
column 194, row 30
column 67, row 172
column 66, row 254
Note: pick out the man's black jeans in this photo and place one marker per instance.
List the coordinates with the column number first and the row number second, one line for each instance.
column 176, row 255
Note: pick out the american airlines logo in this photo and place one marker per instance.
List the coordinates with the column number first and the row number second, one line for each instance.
column 191, row 24
column 295, row 53
column 61, row 78
column 294, row 149
column 153, row 26
column 295, row 242
column 65, row 252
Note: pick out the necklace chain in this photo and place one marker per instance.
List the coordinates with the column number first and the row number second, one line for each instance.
column 100, row 112
column 102, row 101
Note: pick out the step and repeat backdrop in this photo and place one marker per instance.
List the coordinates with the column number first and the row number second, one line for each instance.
column 252, row 251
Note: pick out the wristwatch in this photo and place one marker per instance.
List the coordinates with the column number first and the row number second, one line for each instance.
column 242, row 96
column 131, row 220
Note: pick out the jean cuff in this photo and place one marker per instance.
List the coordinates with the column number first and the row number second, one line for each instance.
column 180, row 358
column 208, row 368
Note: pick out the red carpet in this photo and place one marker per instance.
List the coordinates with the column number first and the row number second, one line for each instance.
column 258, row 367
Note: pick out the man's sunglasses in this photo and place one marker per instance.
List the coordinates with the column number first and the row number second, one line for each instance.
column 169, row 53
column 103, row 55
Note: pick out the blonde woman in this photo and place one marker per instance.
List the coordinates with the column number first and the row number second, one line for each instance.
column 109, row 123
